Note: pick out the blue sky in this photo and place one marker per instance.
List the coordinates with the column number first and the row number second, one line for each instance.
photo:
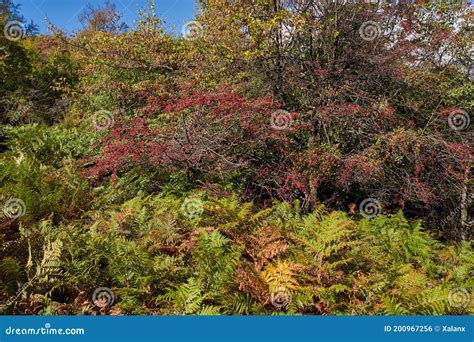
column 64, row 13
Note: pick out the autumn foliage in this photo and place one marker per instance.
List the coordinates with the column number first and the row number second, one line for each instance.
column 201, row 172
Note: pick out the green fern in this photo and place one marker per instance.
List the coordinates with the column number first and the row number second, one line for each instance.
column 11, row 275
column 187, row 298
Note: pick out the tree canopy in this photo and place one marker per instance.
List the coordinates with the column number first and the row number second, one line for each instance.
column 273, row 156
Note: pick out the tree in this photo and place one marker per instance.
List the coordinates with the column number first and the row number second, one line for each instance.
column 364, row 78
column 104, row 18
column 9, row 11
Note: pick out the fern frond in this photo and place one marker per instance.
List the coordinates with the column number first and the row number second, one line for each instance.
column 280, row 276
column 11, row 275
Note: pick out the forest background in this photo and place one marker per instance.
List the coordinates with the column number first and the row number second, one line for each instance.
column 274, row 157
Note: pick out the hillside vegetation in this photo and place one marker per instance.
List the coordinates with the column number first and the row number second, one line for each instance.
column 274, row 157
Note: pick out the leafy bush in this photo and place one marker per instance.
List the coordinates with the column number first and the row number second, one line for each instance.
column 221, row 174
